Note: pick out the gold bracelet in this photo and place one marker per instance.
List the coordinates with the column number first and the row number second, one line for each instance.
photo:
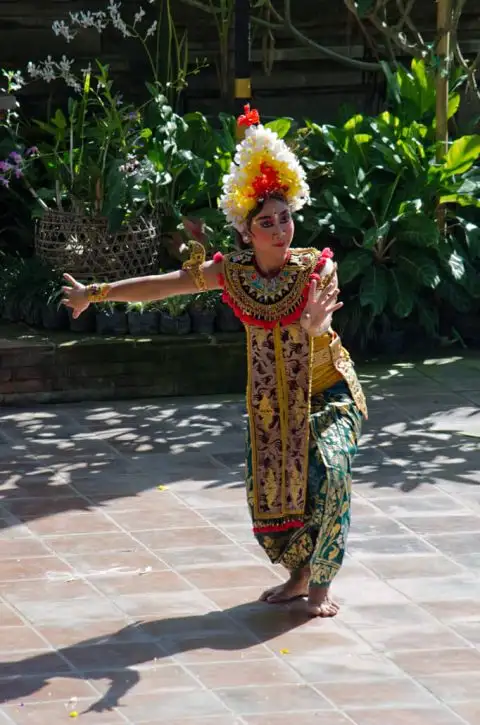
column 194, row 265
column 98, row 292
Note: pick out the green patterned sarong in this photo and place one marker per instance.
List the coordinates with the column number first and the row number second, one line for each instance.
column 335, row 424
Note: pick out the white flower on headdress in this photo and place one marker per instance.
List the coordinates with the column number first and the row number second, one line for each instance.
column 263, row 165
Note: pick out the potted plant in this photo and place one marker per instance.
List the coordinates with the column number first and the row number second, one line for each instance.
column 202, row 311
column 143, row 319
column 174, row 317
column 111, row 319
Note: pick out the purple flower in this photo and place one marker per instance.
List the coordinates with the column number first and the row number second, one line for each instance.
column 15, row 156
column 4, row 181
column 31, row 151
column 18, row 173
column 5, row 166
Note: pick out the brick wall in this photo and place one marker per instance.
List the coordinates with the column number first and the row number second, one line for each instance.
column 62, row 369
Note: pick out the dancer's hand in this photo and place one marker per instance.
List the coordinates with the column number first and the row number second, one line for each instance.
column 195, row 228
column 75, row 296
column 317, row 315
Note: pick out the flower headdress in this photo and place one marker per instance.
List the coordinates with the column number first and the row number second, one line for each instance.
column 263, row 166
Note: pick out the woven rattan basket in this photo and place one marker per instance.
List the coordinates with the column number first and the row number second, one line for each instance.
column 83, row 246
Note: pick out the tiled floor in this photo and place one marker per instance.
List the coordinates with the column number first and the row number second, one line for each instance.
column 129, row 576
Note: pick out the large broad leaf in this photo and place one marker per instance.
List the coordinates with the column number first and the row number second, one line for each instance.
column 456, row 296
column 338, row 209
column 281, row 126
column 457, row 266
column 462, row 154
column 375, row 235
column 354, row 264
column 472, row 236
column 374, row 289
column 428, row 317
column 417, row 229
column 401, row 293
column 421, row 267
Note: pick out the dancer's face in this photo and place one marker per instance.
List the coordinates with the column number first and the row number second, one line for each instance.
column 272, row 228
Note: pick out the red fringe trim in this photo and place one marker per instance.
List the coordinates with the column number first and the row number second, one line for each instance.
column 277, row 528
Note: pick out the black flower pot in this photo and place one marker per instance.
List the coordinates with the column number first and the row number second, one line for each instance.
column 140, row 324
column 227, row 321
column 86, row 323
column 180, row 325
column 31, row 311
column 112, row 322
column 12, row 311
column 54, row 317
column 203, row 321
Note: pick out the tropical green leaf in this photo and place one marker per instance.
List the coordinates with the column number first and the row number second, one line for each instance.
column 421, row 267
column 457, row 266
column 354, row 264
column 455, row 295
column 281, row 126
column 472, row 235
column 453, row 104
column 428, row 318
column 401, row 293
column 417, row 229
column 374, row 289
column 462, row 154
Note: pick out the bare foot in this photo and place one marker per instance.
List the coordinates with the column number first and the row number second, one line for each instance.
column 319, row 603
column 294, row 588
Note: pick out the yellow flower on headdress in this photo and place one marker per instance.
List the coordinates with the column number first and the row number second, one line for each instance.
column 263, row 165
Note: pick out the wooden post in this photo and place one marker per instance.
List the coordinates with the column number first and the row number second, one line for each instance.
column 444, row 17
column 243, row 87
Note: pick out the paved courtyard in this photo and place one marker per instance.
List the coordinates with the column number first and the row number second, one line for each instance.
column 129, row 576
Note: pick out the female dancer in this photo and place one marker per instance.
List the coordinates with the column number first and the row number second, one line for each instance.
column 305, row 404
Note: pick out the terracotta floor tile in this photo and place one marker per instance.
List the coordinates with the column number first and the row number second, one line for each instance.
column 227, row 575
column 91, row 543
column 398, row 692
column 469, row 711
column 19, row 639
column 404, row 716
column 72, row 523
column 171, row 705
column 42, row 567
column 207, row 556
column 242, row 674
column 158, row 518
column 147, row 679
column 453, row 687
column 343, row 669
column 163, row 604
column 198, row 649
column 20, row 548
column 103, row 657
column 253, row 700
column 301, row 717
column 80, row 632
column 149, row 583
column 423, row 663
column 49, row 689
column 123, row 563
column 182, row 538
column 38, row 663
column 411, row 565
column 58, row 712
column 412, row 638
column 9, row 617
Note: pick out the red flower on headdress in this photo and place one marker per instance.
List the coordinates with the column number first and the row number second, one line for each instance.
column 267, row 183
column 250, row 118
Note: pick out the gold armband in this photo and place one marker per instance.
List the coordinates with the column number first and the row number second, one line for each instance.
column 97, row 292
column 194, row 265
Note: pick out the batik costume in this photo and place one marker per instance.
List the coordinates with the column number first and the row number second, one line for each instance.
column 305, row 404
